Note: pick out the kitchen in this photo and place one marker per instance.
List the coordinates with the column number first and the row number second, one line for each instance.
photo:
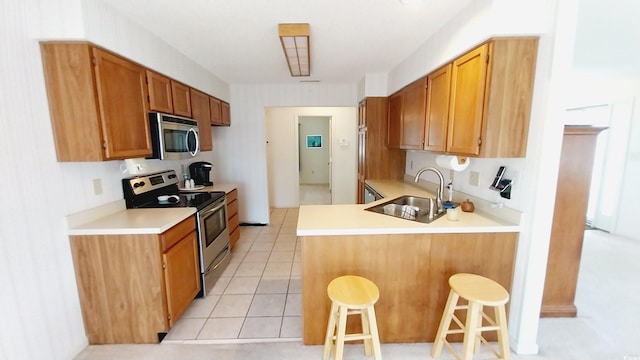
column 44, row 297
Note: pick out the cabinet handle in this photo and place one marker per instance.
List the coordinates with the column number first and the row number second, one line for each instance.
column 479, row 141
column 164, row 265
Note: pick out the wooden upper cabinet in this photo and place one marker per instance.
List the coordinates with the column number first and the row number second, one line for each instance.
column 490, row 103
column 216, row 111
column 98, row 103
column 181, row 99
column 201, row 112
column 160, row 98
column 394, row 120
column 437, row 112
column 226, row 114
column 508, row 97
column 468, row 79
column 413, row 113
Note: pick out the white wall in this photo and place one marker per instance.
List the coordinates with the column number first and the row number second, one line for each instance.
column 314, row 161
column 38, row 301
column 282, row 138
column 240, row 150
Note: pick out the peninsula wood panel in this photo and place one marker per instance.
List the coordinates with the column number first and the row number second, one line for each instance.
column 569, row 219
column 411, row 271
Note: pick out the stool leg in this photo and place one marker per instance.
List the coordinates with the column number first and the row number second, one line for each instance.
column 331, row 330
column 342, row 329
column 445, row 322
column 373, row 330
column 470, row 330
column 503, row 333
column 476, row 346
column 364, row 320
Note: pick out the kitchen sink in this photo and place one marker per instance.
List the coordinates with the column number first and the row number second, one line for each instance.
column 412, row 208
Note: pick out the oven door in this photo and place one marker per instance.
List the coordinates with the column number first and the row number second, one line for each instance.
column 214, row 242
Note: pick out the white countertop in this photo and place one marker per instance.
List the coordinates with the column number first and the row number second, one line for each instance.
column 134, row 221
column 115, row 219
column 320, row 220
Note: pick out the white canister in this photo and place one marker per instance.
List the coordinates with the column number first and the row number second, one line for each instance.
column 453, row 214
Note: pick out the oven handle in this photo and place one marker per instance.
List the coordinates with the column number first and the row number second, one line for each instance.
column 207, row 212
column 214, row 265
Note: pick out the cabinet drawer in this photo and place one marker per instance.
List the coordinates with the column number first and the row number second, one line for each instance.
column 233, row 222
column 232, row 196
column 232, row 209
column 173, row 235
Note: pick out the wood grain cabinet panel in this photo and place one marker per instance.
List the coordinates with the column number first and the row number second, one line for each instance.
column 225, row 110
column 468, row 79
column 232, row 217
column 160, row 98
column 490, row 101
column 216, row 111
column 394, row 120
column 437, row 111
column 375, row 159
column 133, row 288
column 201, row 111
column 413, row 115
column 569, row 219
column 181, row 99
column 98, row 103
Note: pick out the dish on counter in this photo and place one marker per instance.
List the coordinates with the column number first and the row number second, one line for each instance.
column 197, row 187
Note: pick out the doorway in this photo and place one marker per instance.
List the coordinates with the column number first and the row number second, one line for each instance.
column 314, row 160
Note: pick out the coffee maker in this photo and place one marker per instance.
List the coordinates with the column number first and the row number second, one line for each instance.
column 200, row 172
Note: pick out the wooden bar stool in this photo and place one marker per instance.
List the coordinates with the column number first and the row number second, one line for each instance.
column 350, row 295
column 479, row 292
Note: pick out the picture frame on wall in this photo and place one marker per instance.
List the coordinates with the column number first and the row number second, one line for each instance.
column 314, row 141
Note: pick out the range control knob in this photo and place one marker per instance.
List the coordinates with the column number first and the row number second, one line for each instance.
column 138, row 184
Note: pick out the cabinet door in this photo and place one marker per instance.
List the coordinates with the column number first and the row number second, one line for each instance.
column 160, row 98
column 182, row 276
column 437, row 113
column 216, row 111
column 394, row 120
column 201, row 112
column 122, row 95
column 413, row 111
column 468, row 79
column 181, row 99
column 226, row 113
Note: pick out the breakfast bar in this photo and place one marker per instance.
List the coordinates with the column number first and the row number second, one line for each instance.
column 410, row 263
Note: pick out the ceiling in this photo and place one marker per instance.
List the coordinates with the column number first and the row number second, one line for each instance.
column 237, row 40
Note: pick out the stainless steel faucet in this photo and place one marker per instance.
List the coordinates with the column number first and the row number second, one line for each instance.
column 440, row 187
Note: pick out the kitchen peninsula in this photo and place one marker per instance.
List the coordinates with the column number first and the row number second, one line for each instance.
column 410, row 262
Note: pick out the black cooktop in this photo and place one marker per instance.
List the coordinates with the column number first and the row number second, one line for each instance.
column 143, row 191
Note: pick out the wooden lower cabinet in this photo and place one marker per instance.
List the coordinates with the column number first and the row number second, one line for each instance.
column 133, row 288
column 410, row 270
column 232, row 217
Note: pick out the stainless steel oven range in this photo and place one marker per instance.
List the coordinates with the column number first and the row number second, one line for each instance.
column 160, row 190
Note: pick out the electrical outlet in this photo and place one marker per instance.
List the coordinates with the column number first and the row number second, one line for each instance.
column 97, row 186
column 411, row 167
column 474, row 178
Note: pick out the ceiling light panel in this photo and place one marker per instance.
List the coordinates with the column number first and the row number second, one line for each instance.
column 294, row 39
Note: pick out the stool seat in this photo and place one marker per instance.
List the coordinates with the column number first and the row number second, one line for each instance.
column 479, row 289
column 353, row 291
column 352, row 295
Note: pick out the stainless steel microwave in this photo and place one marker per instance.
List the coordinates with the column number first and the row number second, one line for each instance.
column 173, row 137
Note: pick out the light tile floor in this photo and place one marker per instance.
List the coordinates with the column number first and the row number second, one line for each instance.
column 606, row 328
column 258, row 296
